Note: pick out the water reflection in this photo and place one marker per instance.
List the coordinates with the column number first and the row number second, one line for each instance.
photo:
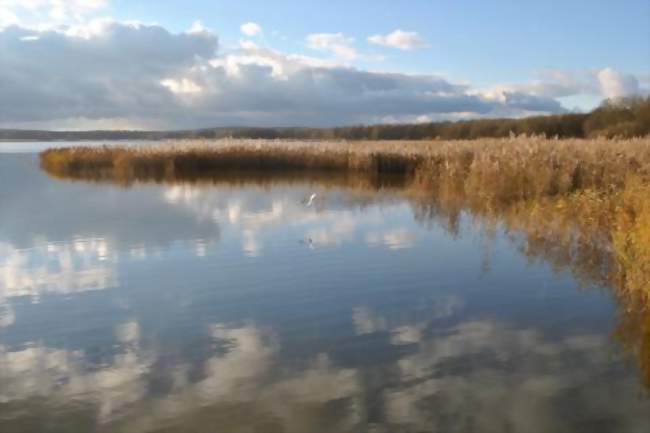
column 511, row 378
column 476, row 373
column 252, row 211
column 38, row 375
column 55, row 268
column 169, row 307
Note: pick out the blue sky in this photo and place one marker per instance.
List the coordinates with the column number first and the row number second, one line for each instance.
column 523, row 57
column 481, row 41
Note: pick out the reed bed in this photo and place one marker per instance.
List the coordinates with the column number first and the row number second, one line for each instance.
column 490, row 169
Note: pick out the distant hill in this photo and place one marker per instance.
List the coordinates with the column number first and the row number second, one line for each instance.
column 629, row 117
column 41, row 135
column 219, row 132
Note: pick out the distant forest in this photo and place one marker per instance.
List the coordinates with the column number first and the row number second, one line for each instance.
column 628, row 117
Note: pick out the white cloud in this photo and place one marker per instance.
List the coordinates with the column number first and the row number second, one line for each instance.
column 552, row 84
column 614, row 84
column 47, row 12
column 99, row 70
column 198, row 27
column 77, row 74
column 399, row 39
column 7, row 17
column 251, row 29
column 312, row 62
column 182, row 85
column 336, row 43
column 246, row 44
column 64, row 9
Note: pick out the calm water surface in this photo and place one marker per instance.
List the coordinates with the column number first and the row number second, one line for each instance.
column 225, row 308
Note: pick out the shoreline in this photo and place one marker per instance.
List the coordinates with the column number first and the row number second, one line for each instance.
column 513, row 169
column 582, row 205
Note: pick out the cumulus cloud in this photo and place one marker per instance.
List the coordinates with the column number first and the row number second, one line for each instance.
column 249, row 45
column 181, row 86
column 106, row 72
column 553, row 83
column 102, row 69
column 198, row 27
column 337, row 43
column 614, row 84
column 399, row 39
column 251, row 29
column 106, row 69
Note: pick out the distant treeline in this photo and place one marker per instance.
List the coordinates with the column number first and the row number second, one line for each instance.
column 628, row 117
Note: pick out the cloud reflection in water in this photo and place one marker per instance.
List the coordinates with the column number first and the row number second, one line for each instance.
column 356, row 335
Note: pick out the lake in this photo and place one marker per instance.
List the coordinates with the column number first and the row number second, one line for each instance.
column 243, row 307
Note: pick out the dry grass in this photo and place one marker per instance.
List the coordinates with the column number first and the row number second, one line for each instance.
column 502, row 170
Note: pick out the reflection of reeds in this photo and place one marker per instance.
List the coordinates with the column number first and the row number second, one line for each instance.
column 579, row 204
column 601, row 237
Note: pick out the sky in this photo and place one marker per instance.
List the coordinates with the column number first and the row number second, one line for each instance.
column 118, row 64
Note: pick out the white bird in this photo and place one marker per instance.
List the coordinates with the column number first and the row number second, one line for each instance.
column 311, row 199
